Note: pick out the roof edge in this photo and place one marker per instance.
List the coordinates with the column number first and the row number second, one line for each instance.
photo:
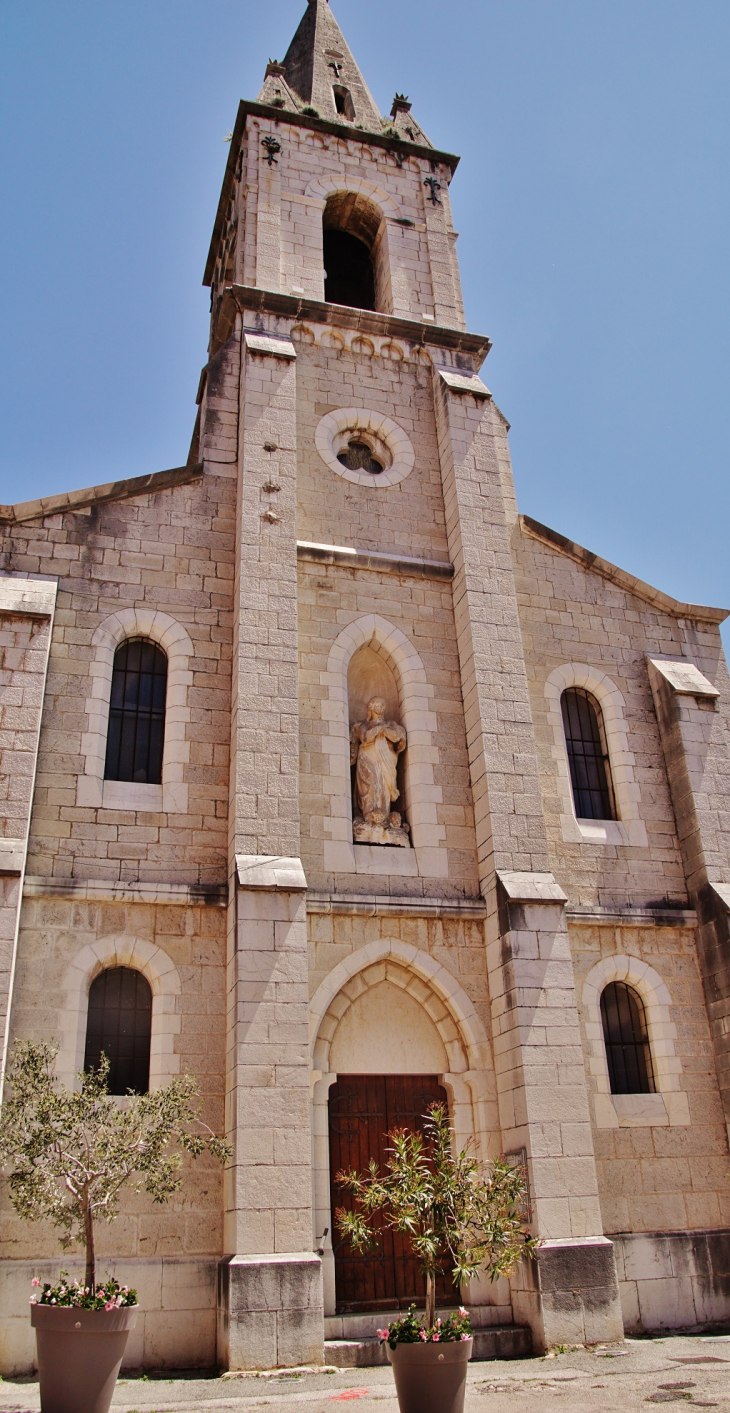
column 252, row 299
column 698, row 613
column 304, row 120
column 99, row 495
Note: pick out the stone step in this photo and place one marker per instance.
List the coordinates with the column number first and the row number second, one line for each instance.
column 490, row 1342
column 355, row 1353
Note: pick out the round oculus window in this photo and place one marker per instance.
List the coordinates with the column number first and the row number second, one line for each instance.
column 364, row 447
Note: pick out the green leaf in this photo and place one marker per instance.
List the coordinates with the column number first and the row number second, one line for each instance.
column 454, row 1211
column 69, row 1154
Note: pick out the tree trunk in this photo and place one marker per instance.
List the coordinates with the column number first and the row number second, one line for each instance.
column 90, row 1277
column 430, row 1300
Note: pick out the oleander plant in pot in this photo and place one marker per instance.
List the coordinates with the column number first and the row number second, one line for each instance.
column 456, row 1213
column 68, row 1154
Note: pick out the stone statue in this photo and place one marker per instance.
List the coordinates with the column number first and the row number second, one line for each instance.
column 375, row 745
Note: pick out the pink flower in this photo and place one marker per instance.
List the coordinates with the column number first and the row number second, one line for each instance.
column 110, row 1305
column 422, row 1335
column 36, row 1280
column 463, row 1312
column 436, row 1336
column 382, row 1334
column 466, row 1336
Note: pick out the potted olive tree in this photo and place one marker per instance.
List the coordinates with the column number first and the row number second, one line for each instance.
column 67, row 1155
column 453, row 1212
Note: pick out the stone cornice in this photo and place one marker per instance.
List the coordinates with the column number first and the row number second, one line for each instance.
column 345, row 131
column 370, row 559
column 696, row 613
column 98, row 495
column 113, row 891
column 631, row 916
column 250, row 299
column 383, row 905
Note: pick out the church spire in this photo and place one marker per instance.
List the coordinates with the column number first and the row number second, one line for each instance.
column 320, row 69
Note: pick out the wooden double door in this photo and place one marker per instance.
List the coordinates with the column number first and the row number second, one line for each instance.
column 363, row 1109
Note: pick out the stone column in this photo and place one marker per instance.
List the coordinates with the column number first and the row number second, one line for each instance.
column 26, row 625
column 571, row 1293
column 270, row 1307
column 695, row 733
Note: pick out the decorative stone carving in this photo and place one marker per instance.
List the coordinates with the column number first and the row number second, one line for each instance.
column 375, row 745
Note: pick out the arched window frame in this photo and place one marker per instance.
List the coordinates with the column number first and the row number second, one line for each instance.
column 148, row 660
column 92, row 790
column 92, row 1062
column 637, row 1038
column 164, row 979
column 428, row 857
column 599, row 752
column 629, row 828
column 669, row 1106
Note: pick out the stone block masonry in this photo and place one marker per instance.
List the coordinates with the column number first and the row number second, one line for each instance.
column 347, row 530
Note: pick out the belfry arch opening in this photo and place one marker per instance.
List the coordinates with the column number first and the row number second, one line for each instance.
column 351, row 226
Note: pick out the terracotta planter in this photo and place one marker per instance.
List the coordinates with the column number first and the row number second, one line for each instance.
column 430, row 1378
column 79, row 1353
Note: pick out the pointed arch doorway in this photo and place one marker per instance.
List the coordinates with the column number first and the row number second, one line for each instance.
column 363, row 1109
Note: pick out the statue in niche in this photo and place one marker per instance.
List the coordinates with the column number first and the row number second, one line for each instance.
column 375, row 745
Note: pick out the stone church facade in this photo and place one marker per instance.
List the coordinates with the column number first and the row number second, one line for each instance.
column 515, row 897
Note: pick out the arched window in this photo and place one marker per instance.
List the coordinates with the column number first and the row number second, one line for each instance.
column 627, row 1043
column 119, row 1024
column 590, row 768
column 350, row 228
column 344, row 105
column 136, row 734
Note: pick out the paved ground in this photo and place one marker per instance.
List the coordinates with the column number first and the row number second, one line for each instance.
column 620, row 1379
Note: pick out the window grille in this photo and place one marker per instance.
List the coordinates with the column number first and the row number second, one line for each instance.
column 627, row 1044
column 136, row 734
column 119, row 1023
column 590, row 767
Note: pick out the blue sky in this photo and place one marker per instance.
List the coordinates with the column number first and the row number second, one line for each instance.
column 592, row 200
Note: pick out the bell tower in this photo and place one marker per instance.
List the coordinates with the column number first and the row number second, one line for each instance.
column 374, row 517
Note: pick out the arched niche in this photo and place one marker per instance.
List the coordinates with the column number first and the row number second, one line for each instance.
column 368, row 676
column 422, row 795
